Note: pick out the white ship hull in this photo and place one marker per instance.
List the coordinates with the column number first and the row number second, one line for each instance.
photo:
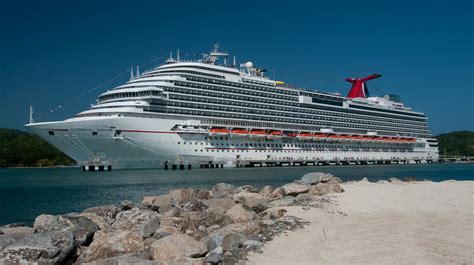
column 151, row 143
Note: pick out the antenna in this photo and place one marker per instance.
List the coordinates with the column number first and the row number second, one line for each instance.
column 131, row 73
column 138, row 71
column 177, row 55
column 235, row 63
column 171, row 56
column 32, row 110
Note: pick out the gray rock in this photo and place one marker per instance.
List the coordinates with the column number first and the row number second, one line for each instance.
column 274, row 213
column 244, row 196
column 247, row 188
column 21, row 230
column 127, row 205
column 240, row 213
column 228, row 239
column 233, row 241
column 303, row 199
column 335, row 180
column 81, row 227
column 51, row 247
column 112, row 244
column 253, row 244
column 215, row 256
column 266, row 191
column 143, row 220
column 222, row 190
column 286, row 201
column 192, row 220
column 194, row 206
column 293, row 189
column 164, row 203
column 313, row 178
column 150, row 226
column 278, row 193
column 258, row 205
column 107, row 212
column 320, row 189
column 176, row 246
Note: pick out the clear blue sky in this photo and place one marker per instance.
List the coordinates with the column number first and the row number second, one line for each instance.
column 51, row 52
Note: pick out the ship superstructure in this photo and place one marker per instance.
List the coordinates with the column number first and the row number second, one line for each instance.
column 209, row 112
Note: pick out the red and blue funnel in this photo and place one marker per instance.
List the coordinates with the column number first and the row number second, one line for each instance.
column 359, row 88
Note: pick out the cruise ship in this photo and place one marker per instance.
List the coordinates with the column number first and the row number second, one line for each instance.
column 212, row 113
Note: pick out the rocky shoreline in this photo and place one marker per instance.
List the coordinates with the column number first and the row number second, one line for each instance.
column 191, row 226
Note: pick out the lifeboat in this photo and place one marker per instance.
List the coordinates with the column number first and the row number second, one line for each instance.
column 215, row 131
column 367, row 138
column 291, row 134
column 258, row 134
column 357, row 138
column 345, row 137
column 412, row 140
column 239, row 132
column 275, row 135
column 386, row 139
column 305, row 136
column 320, row 136
column 378, row 139
column 333, row 137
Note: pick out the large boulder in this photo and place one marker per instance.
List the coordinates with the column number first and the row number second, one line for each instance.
column 243, row 230
column 112, row 244
column 278, row 193
column 293, row 189
column 176, row 247
column 221, row 190
column 81, row 227
column 254, row 200
column 244, row 196
column 215, row 256
column 240, row 213
column 143, row 220
column 224, row 203
column 266, row 191
column 174, row 198
column 320, row 189
column 216, row 215
column 20, row 230
column 315, row 178
column 103, row 216
column 286, row 201
column 274, row 213
column 51, row 247
column 325, row 188
column 247, row 188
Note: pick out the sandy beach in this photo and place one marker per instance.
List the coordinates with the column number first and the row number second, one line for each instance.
column 382, row 223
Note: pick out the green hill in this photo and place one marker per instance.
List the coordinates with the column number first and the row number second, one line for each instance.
column 459, row 143
column 22, row 149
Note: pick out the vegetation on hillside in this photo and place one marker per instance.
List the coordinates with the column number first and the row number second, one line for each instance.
column 22, row 149
column 459, row 143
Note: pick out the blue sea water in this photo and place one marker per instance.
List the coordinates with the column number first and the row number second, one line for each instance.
column 26, row 193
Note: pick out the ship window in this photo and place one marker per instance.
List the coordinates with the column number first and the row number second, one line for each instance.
column 94, row 133
column 51, row 132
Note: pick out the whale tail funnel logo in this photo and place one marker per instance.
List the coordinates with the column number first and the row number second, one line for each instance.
column 359, row 89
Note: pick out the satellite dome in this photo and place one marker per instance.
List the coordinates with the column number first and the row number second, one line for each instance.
column 249, row 64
